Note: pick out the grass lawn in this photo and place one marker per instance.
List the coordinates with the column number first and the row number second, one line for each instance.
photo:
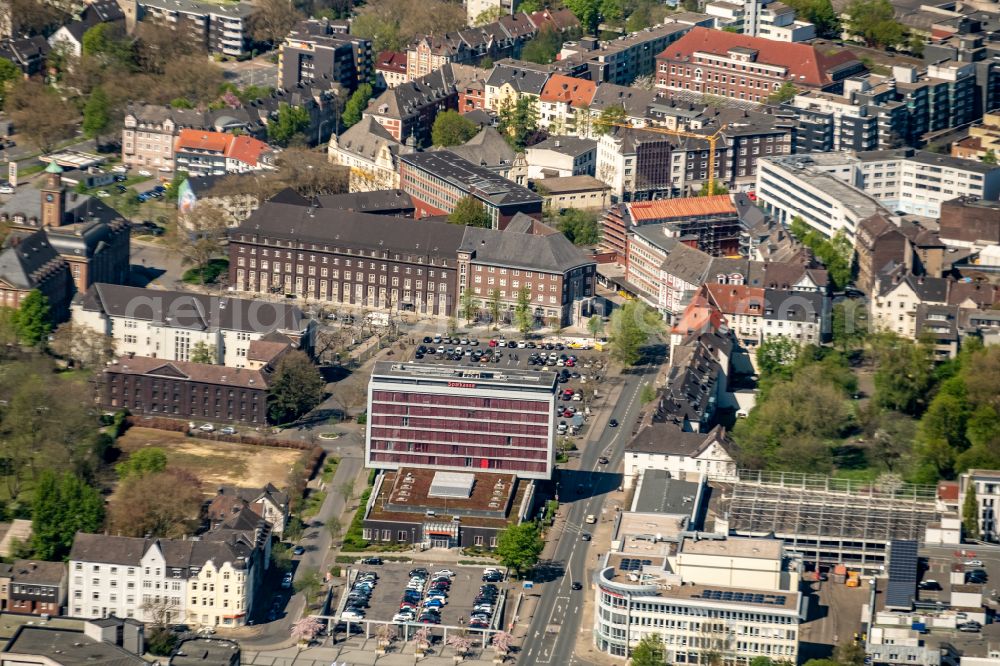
column 329, row 469
column 313, row 502
column 217, row 463
column 863, row 475
column 212, row 270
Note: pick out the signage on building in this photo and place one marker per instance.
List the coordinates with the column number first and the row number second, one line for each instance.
column 461, row 385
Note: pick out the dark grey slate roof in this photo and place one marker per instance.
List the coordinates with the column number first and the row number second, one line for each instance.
column 74, row 648
column 454, row 169
column 375, row 202
column 662, row 494
column 518, row 249
column 800, row 306
column 407, row 99
column 180, row 309
column 669, row 439
column 355, row 230
column 566, row 145
column 487, row 149
column 26, row 258
column 524, row 77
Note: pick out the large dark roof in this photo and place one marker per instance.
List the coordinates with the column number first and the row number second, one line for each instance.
column 470, row 177
column 72, row 648
column 669, row 439
column 378, row 201
column 801, row 306
column 181, row 309
column 529, row 250
column 345, row 229
column 27, row 259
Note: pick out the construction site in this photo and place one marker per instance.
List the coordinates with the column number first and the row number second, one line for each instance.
column 829, row 521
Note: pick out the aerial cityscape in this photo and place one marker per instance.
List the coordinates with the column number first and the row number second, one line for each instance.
column 511, row 332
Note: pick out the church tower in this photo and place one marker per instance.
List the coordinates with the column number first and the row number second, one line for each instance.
column 53, row 197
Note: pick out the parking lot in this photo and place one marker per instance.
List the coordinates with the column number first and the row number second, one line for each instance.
column 392, row 581
column 579, row 370
column 941, row 561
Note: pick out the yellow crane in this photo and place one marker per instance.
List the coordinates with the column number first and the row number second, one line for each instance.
column 711, row 138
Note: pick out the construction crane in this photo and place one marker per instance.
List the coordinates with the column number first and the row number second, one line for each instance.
column 711, row 138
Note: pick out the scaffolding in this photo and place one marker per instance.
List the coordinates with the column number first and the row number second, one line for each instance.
column 828, row 520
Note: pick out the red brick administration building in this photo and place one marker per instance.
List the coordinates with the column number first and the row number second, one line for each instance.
column 716, row 62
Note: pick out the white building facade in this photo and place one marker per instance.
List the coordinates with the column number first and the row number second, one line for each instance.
column 172, row 324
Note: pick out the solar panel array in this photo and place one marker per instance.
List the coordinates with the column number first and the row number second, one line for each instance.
column 631, row 564
column 745, row 597
column 903, row 561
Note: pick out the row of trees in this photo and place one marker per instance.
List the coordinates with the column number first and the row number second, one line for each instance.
column 837, row 253
column 652, row 651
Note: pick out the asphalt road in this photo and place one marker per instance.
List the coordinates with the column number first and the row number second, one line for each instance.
column 559, row 604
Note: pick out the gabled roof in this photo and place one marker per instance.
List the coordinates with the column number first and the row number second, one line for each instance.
column 367, row 139
column 247, row 149
column 668, row 439
column 558, row 19
column 391, row 61
column 524, row 244
column 578, row 93
column 800, row 306
column 191, row 139
column 635, row 101
column 196, row 372
column 407, row 99
column 517, row 26
column 806, row 64
column 525, row 78
column 26, row 260
column 736, row 299
column 488, row 149
column 375, row 202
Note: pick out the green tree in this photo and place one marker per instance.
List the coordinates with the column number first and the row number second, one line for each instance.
column 523, row 315
column 610, row 117
column 820, row 13
column 181, row 103
column 9, row 72
column 452, row 129
column 595, row 325
column 202, row 352
column 588, row 12
column 631, row 326
column 716, row 189
column 144, row 461
column 903, row 373
column 33, row 319
column 649, row 651
column 836, row 253
column 290, row 121
column 96, row 115
column 990, row 157
column 108, row 44
column 62, row 506
column 296, row 388
column 519, row 546
column 356, row 105
column 648, row 393
column 494, row 307
column 874, row 22
column 776, row 355
column 849, row 324
column 785, row 93
column 581, row 227
column 518, row 121
column 309, row 583
column 762, row 661
column 469, row 305
column 469, row 212
column 543, row 47
column 970, row 512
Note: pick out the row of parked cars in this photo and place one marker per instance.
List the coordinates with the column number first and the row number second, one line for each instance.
column 458, row 353
column 359, row 596
column 416, row 606
column 485, row 603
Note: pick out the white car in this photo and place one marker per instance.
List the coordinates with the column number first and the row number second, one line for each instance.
column 208, row 427
column 120, row 168
column 973, row 563
column 145, row 172
column 590, row 520
column 6, row 189
column 402, row 617
column 103, row 194
column 351, row 615
column 445, row 572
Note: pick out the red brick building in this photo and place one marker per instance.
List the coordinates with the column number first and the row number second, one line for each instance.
column 716, row 62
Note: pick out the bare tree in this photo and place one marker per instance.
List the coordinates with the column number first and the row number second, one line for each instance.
column 272, row 20
column 161, row 611
column 82, row 344
column 310, row 173
column 198, row 235
column 40, row 114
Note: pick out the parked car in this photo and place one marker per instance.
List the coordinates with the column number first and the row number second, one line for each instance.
column 228, row 430
column 577, row 585
column 372, row 560
column 603, row 460
column 929, row 584
column 613, row 423
column 585, row 536
column 352, row 615
column 591, row 519
column 971, row 626
column 298, row 550
column 119, row 168
column 207, row 427
column 6, row 188
column 973, row 563
column 145, row 172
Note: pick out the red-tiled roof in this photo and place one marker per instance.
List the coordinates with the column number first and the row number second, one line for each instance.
column 947, row 491
column 392, row 61
column 246, row 149
column 699, row 314
column 665, row 209
column 561, row 88
column 193, row 139
column 806, row 64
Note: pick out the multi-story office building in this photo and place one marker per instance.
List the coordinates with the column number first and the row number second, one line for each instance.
column 621, row 60
column 210, row 581
column 221, row 28
column 461, row 419
column 437, row 180
column 315, row 52
column 734, row 596
column 761, row 19
column 794, row 186
column 169, row 324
